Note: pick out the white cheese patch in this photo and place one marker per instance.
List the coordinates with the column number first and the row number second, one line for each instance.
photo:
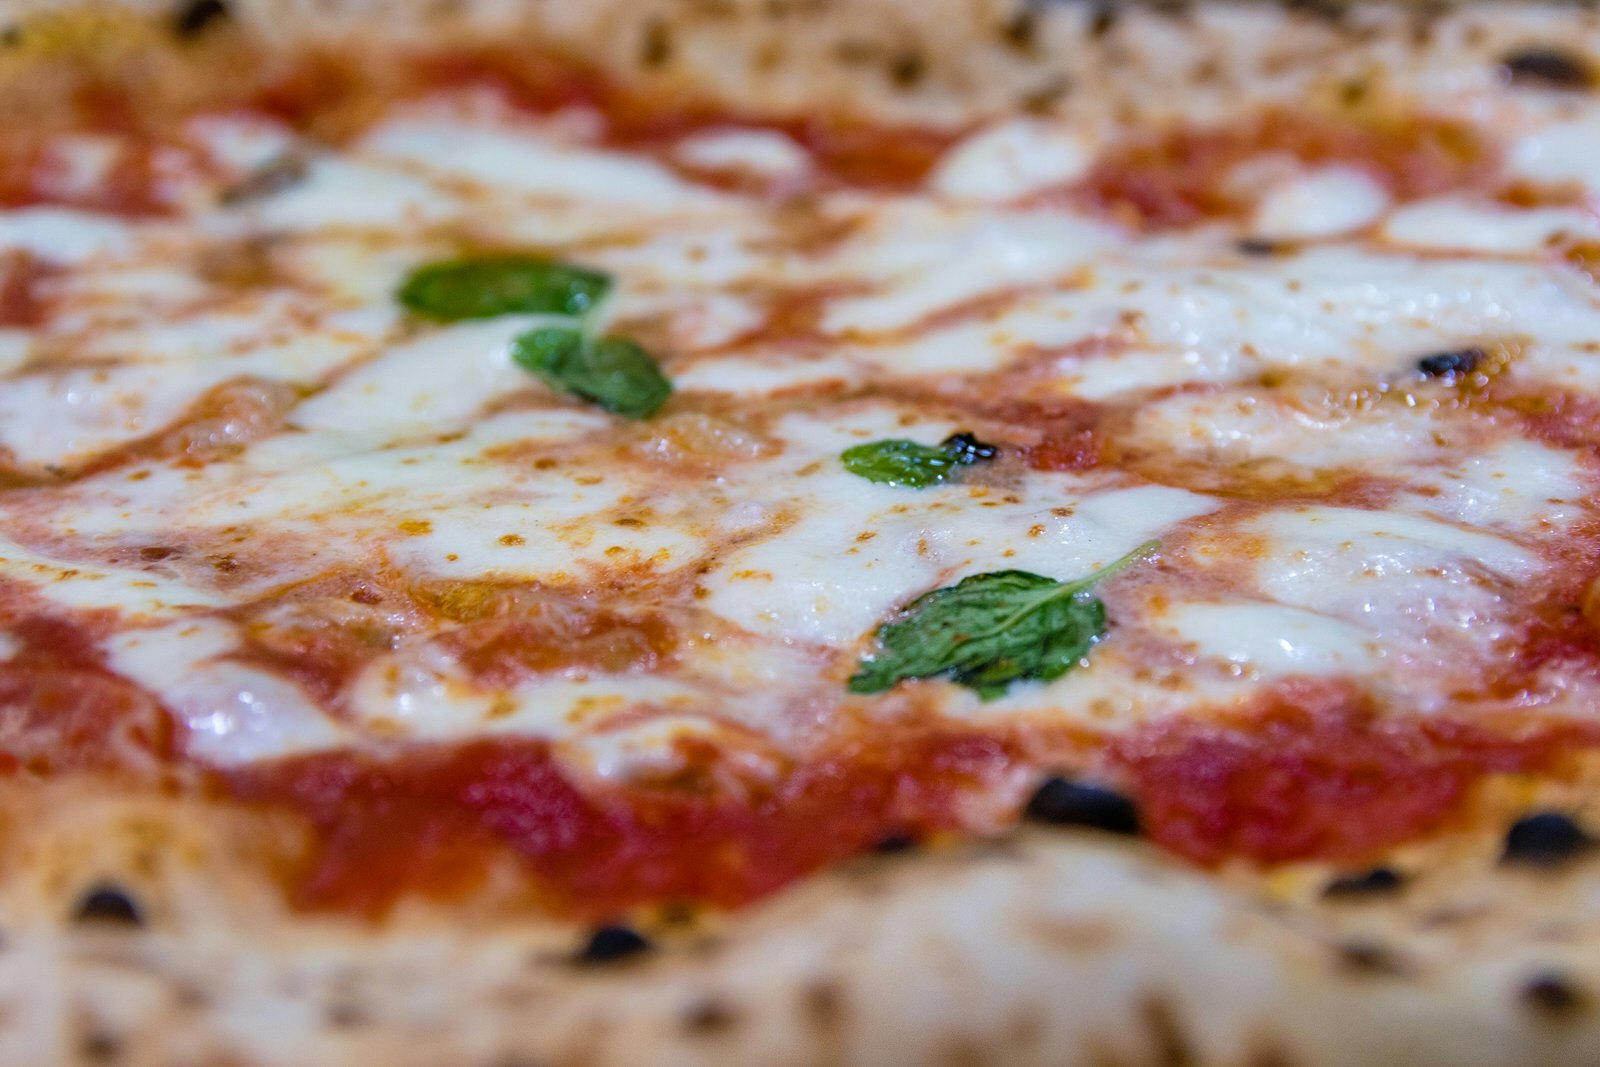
column 84, row 585
column 764, row 153
column 1430, row 594
column 1515, row 485
column 1322, row 203
column 840, row 569
column 342, row 194
column 441, row 378
column 63, row 235
column 1270, row 639
column 419, row 694
column 925, row 260
column 1459, row 224
column 232, row 713
column 1012, row 159
column 1561, row 151
column 501, row 160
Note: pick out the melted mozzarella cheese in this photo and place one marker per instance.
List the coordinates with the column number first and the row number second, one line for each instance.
column 1270, row 639
column 421, row 456
column 1322, row 203
column 1009, row 160
column 60, row 235
column 233, row 713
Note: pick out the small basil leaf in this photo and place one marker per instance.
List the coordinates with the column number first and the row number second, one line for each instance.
column 612, row 372
column 990, row 630
column 900, row 462
column 482, row 287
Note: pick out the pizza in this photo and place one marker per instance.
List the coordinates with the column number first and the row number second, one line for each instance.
column 853, row 531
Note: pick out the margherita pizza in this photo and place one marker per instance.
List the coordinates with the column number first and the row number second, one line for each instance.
column 861, row 532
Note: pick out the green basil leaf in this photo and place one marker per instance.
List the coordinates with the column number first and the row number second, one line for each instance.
column 612, row 371
column 901, row 462
column 485, row 286
column 990, row 630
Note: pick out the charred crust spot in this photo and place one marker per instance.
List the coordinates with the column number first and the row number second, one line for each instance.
column 1172, row 1046
column 1544, row 839
column 100, row 1047
column 1018, row 31
column 1369, row 958
column 1380, row 881
column 1451, row 364
column 609, row 944
column 895, row 844
column 196, row 16
column 108, row 904
column 11, row 36
column 709, row 1017
column 1546, row 67
column 1103, row 21
column 1040, row 100
column 907, row 69
column 655, row 47
column 1329, row 10
column 1060, row 802
column 1554, row 995
column 344, row 1015
column 156, row 553
column 822, row 1003
column 1257, row 246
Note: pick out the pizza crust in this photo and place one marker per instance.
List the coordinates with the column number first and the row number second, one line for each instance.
column 1041, row 947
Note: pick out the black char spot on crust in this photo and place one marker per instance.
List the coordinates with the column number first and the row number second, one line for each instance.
column 108, row 904
column 1548, row 67
column 610, row 944
column 1544, row 839
column 1060, row 802
column 1379, row 881
column 1552, row 994
column 196, row 16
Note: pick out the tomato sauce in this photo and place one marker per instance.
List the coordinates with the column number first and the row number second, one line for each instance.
column 387, row 825
column 1187, row 176
column 1315, row 772
column 61, row 710
column 23, row 278
column 329, row 98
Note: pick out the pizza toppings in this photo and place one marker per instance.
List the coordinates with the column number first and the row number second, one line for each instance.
column 343, row 553
column 990, row 630
column 486, row 286
column 1062, row 802
column 1544, row 839
column 613, row 372
column 902, row 462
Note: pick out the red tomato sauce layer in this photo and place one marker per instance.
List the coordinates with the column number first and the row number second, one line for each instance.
column 387, row 825
column 329, row 97
column 1190, row 175
column 62, row 711
column 1316, row 773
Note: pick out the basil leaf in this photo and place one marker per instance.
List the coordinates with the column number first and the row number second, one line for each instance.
column 482, row 287
column 900, row 462
column 612, row 371
column 990, row 630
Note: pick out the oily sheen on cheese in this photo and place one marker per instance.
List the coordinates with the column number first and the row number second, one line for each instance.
column 1351, row 414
